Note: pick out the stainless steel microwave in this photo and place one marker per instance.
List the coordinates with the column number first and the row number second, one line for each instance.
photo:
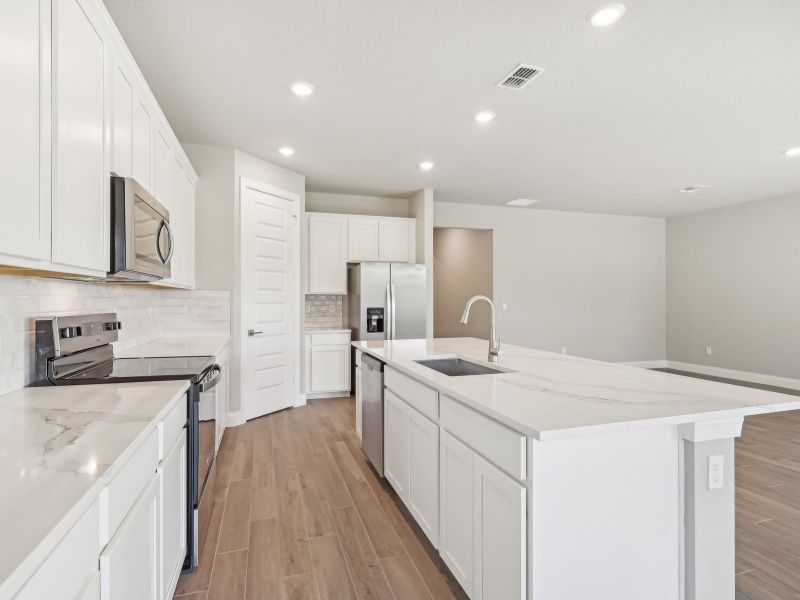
column 142, row 242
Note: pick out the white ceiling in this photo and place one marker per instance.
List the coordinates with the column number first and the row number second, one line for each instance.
column 679, row 92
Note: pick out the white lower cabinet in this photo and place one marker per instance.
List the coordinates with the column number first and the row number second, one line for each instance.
column 173, row 487
column 457, row 546
column 410, row 465
column 129, row 565
column 357, row 385
column 327, row 363
column 484, row 524
column 92, row 591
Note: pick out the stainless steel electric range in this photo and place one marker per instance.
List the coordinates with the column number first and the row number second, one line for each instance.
column 77, row 350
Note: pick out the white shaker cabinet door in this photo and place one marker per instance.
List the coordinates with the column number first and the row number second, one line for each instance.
column 397, row 240
column 330, row 368
column 359, row 414
column 25, row 201
column 142, row 145
column 327, row 254
column 173, row 516
column 163, row 173
column 500, row 534
column 122, row 96
column 423, row 473
column 80, row 154
column 395, row 459
column 456, row 546
column 129, row 565
column 362, row 238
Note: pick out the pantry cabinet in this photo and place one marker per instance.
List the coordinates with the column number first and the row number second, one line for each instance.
column 75, row 109
column 24, row 143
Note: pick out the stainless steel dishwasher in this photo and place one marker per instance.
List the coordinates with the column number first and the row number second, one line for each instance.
column 372, row 410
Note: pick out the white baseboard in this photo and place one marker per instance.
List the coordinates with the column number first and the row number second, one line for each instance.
column 301, row 400
column 318, row 395
column 235, row 419
column 762, row 378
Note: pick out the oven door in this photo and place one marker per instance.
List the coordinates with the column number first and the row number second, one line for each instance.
column 142, row 239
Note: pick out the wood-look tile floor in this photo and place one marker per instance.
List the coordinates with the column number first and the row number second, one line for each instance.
column 299, row 514
column 767, row 503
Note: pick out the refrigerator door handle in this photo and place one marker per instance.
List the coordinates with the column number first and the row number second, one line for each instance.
column 393, row 312
column 389, row 320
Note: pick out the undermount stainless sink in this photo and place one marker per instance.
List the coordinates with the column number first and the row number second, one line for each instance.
column 457, row 367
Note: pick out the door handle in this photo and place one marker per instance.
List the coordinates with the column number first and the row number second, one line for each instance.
column 252, row 332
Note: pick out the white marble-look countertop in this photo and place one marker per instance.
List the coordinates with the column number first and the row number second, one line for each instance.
column 550, row 396
column 59, row 447
column 178, row 346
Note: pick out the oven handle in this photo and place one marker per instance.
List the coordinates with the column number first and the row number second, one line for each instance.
column 211, row 380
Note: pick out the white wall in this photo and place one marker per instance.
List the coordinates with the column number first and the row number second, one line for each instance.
column 733, row 281
column 594, row 284
column 351, row 204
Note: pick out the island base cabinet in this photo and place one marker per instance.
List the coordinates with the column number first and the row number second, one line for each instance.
column 129, row 565
column 499, row 534
column 484, row 525
column 456, row 546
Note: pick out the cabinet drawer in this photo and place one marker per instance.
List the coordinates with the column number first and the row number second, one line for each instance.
column 502, row 446
column 330, row 339
column 421, row 397
column 171, row 428
column 126, row 487
column 66, row 573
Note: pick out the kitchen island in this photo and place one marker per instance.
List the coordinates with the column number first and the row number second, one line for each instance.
column 564, row 478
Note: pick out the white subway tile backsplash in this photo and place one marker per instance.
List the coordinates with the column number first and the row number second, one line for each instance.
column 146, row 313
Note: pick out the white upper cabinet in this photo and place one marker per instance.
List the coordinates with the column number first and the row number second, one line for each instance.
column 362, row 239
column 164, row 165
column 122, row 102
column 327, row 254
column 25, row 202
column 142, row 144
column 397, row 240
column 80, row 195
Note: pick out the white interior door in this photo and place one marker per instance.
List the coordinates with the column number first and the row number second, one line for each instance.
column 268, row 299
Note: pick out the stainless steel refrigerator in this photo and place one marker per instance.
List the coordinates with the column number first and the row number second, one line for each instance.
column 386, row 301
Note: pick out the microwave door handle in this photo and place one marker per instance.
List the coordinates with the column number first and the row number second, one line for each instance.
column 171, row 242
column 158, row 242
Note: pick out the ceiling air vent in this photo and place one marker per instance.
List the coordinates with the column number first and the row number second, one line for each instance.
column 519, row 77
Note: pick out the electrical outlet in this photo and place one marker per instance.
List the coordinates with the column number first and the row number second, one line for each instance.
column 708, row 350
column 716, row 467
column 563, row 349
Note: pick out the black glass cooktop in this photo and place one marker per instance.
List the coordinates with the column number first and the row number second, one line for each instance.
column 144, row 369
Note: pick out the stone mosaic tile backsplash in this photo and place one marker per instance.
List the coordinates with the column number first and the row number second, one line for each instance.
column 146, row 313
column 325, row 312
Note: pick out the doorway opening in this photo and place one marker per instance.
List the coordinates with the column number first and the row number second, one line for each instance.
column 463, row 266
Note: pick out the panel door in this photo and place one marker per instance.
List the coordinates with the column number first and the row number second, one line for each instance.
column 327, row 254
column 456, row 546
column 423, row 473
column 396, row 438
column 362, row 239
column 173, row 516
column 25, row 201
column 122, row 102
column 395, row 240
column 80, row 120
column 500, row 534
column 330, row 368
column 142, row 145
column 269, row 302
column 129, row 565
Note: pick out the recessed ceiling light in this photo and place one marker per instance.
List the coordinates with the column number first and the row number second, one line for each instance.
column 607, row 15
column 302, row 88
column 286, row 150
column 484, row 116
column 691, row 189
column 521, row 202
column 426, row 165
column 793, row 151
